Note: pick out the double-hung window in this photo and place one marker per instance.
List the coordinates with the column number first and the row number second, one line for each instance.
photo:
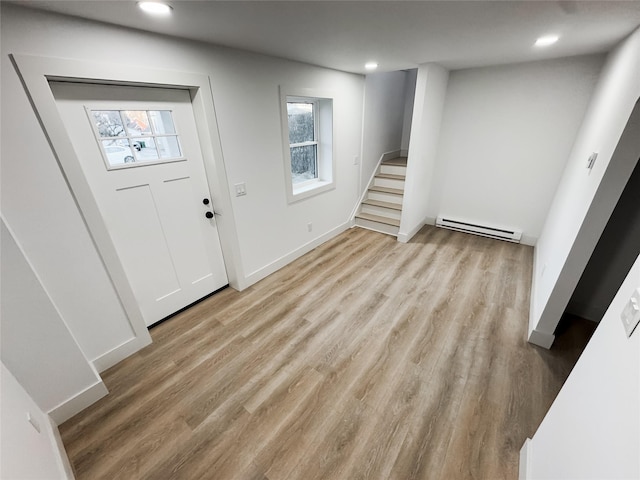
column 307, row 132
column 302, row 119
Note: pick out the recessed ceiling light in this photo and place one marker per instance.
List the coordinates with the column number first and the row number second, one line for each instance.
column 156, row 8
column 546, row 40
column 371, row 65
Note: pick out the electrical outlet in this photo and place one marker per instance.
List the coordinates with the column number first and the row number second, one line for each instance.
column 631, row 313
column 592, row 160
column 356, row 160
column 309, row 227
column 241, row 189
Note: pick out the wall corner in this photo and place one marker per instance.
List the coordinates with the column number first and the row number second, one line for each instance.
column 541, row 339
column 78, row 402
column 524, row 469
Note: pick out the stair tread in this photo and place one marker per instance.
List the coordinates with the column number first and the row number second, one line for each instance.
column 395, row 191
column 376, row 227
column 398, row 161
column 390, row 176
column 380, row 203
column 379, row 219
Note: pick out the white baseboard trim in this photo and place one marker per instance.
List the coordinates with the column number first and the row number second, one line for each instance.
column 64, row 465
column 390, row 155
column 78, row 402
column 542, row 339
column 404, row 237
column 291, row 256
column 524, row 469
column 532, row 294
column 122, row 351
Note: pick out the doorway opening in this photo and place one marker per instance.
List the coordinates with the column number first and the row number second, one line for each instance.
column 140, row 154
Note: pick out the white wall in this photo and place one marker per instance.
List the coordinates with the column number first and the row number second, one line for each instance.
column 506, row 134
column 40, row 209
column 409, row 96
column 26, row 453
column 584, row 200
column 592, row 430
column 383, row 115
column 42, row 213
column 245, row 90
column 36, row 345
column 430, row 94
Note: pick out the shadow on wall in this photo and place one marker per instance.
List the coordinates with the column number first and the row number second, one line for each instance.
column 613, row 257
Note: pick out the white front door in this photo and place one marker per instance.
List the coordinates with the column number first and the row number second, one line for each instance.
column 139, row 150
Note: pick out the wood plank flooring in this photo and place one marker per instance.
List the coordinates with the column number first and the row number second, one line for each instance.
column 364, row 359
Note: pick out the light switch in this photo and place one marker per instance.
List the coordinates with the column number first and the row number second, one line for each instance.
column 631, row 313
column 241, row 189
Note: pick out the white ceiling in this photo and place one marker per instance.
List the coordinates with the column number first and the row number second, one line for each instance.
column 397, row 34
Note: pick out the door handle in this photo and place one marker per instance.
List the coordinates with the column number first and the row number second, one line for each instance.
column 206, row 201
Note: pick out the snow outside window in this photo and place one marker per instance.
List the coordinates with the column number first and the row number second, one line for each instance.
column 307, row 127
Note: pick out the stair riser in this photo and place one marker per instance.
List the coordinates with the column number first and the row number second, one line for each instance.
column 393, row 169
column 378, row 227
column 389, row 182
column 385, row 197
column 381, row 211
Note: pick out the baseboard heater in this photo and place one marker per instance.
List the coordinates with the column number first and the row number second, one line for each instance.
column 483, row 230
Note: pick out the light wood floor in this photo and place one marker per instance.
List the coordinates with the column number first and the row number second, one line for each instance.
column 364, row 359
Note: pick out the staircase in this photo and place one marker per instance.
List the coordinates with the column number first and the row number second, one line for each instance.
column 382, row 207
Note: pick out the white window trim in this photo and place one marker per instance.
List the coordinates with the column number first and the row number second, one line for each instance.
column 324, row 139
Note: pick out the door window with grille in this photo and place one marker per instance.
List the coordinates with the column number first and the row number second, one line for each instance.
column 129, row 138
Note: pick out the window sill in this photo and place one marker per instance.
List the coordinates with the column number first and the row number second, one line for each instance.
column 309, row 190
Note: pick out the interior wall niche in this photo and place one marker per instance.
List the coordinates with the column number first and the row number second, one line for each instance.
column 613, row 257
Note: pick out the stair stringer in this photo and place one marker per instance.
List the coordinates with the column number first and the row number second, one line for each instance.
column 363, row 194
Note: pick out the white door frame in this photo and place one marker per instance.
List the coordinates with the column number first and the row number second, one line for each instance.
column 36, row 72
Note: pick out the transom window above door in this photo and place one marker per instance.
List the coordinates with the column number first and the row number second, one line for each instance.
column 129, row 138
